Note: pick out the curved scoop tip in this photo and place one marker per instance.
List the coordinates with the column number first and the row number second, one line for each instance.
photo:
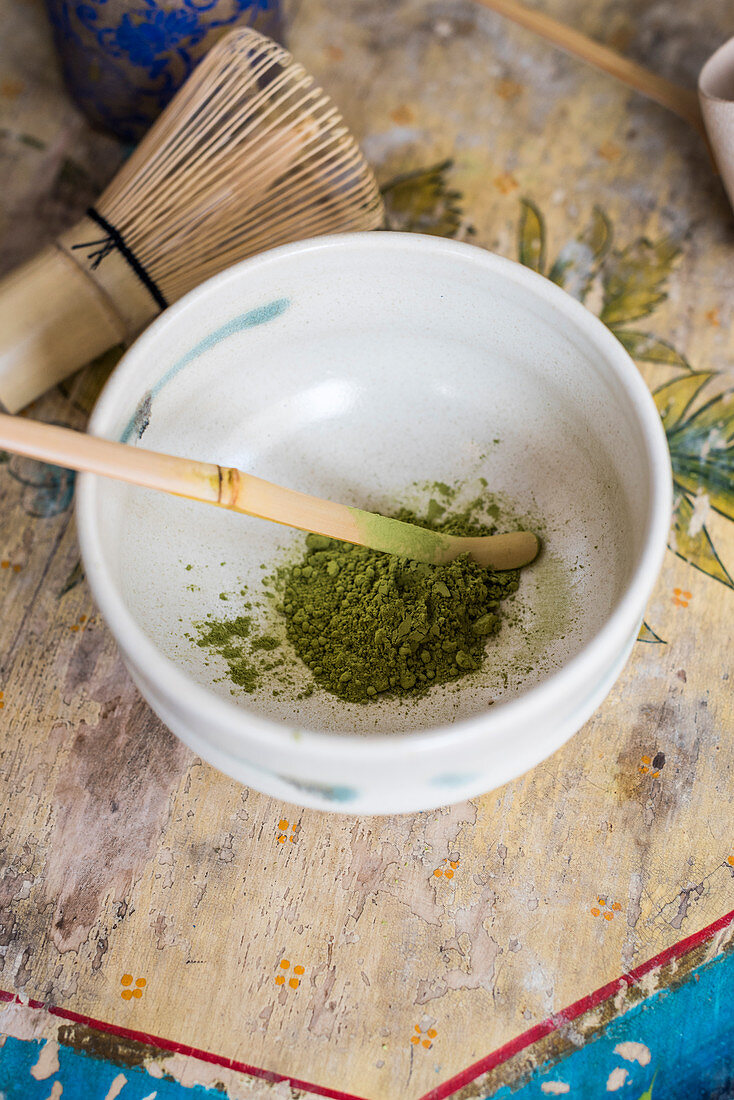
column 511, row 551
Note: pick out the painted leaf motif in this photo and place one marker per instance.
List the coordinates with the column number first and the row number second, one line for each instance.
column 633, row 280
column 717, row 415
column 531, row 240
column 702, row 452
column 696, row 548
column 422, row 202
column 48, row 490
column 675, row 398
column 647, row 634
column 578, row 261
column 647, row 1094
column 75, row 577
column 598, row 236
column 648, row 349
column 712, row 476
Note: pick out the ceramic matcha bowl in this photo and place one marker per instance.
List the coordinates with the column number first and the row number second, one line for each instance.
column 363, row 368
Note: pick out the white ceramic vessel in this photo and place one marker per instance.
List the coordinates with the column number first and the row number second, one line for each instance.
column 360, row 368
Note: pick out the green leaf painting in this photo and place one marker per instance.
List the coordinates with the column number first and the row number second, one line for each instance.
column 631, row 279
column 579, row 260
column 701, row 442
column 423, row 202
column 675, row 398
column 700, row 433
column 647, row 1094
column 647, row 634
column 76, row 576
column 532, row 237
column 694, row 544
column 650, row 349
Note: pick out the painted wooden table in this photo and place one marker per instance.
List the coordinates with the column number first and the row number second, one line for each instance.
column 165, row 932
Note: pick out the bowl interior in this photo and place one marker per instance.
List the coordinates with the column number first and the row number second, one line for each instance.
column 362, row 369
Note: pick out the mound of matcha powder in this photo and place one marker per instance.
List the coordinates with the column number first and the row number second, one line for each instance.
column 369, row 624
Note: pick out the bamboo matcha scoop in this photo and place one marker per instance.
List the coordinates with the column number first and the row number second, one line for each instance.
column 241, row 492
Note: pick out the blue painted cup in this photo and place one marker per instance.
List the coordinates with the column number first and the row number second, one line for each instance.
column 123, row 60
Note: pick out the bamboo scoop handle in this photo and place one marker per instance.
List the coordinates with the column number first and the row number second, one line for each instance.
column 234, row 489
column 681, row 101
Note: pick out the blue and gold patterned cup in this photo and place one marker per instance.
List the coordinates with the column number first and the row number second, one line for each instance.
column 123, row 60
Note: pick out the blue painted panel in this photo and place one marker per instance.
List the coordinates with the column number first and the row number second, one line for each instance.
column 84, row 1077
column 689, row 1032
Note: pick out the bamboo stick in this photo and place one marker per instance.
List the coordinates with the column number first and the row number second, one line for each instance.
column 681, row 101
column 234, row 489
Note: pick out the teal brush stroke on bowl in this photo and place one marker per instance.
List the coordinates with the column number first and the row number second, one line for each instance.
column 260, row 316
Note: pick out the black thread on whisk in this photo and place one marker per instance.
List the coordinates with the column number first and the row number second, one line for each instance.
column 115, row 239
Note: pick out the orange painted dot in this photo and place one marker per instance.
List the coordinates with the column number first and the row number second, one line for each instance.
column 4, row 564
column 82, row 618
column 438, row 872
column 417, row 1029
column 282, row 824
column 1, row 704
column 281, row 840
column 298, row 970
column 414, row 1039
column 609, row 916
column 74, row 628
column 126, row 994
column 505, row 182
column 602, row 901
column 126, row 979
column 454, row 863
column 291, row 838
column 17, row 568
column 427, row 1043
column 293, row 983
column 279, row 979
column 508, row 89
column 285, row 963
column 431, row 1033
column 595, row 912
column 137, row 992
column 644, row 770
column 730, row 861
column 655, row 775
column 646, row 760
column 449, row 874
column 140, row 982
column 616, row 907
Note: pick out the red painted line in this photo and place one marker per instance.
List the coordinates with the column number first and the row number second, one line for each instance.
column 441, row 1092
column 572, row 1012
column 181, row 1048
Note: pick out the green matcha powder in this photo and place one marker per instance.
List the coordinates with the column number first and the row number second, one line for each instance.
column 370, row 625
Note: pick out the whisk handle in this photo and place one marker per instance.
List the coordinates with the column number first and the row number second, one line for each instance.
column 53, row 320
column 72, row 302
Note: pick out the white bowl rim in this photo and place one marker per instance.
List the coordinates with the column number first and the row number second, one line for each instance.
column 538, row 701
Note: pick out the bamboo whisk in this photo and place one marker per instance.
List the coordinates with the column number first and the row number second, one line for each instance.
column 250, row 154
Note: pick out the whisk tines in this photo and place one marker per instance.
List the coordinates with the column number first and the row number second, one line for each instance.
column 250, row 153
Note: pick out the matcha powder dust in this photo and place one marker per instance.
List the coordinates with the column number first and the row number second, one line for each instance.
column 368, row 624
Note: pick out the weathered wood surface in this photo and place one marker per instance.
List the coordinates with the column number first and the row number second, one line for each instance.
column 123, row 854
